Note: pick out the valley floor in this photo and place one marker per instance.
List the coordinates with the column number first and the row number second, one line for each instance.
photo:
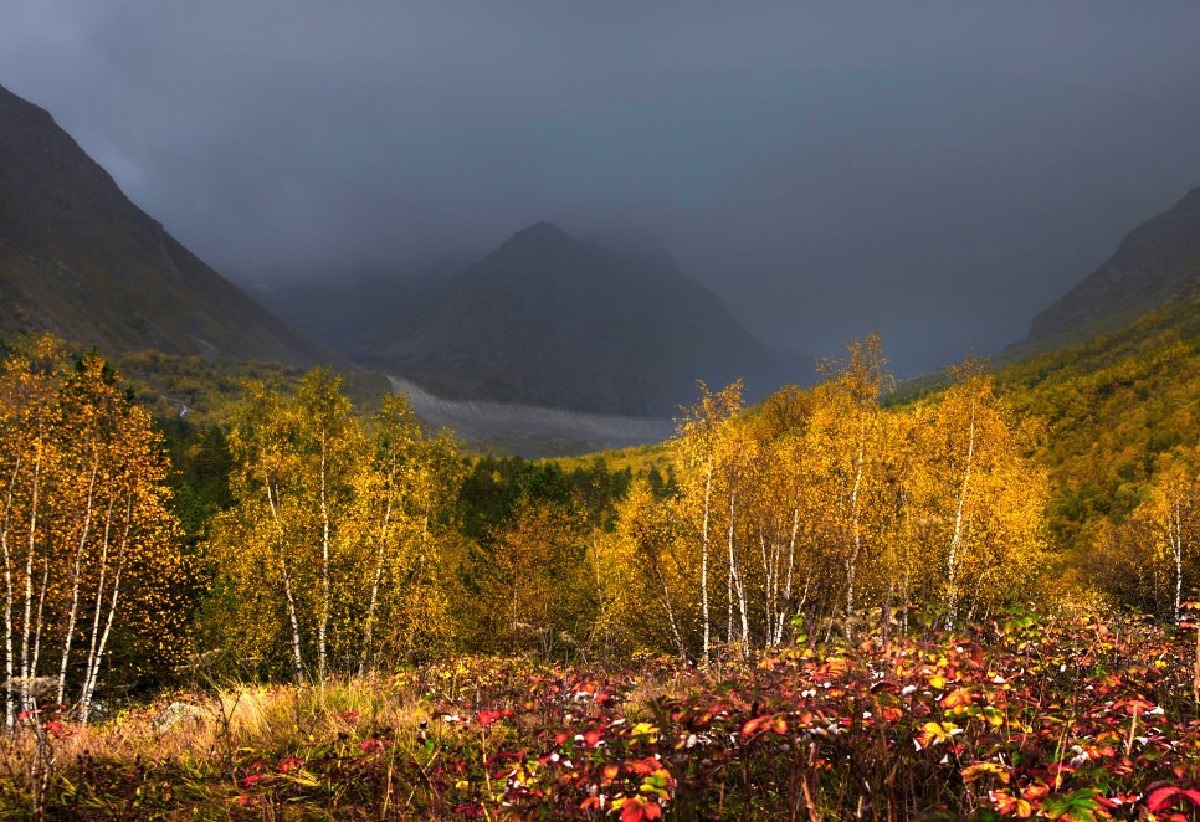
column 530, row 430
column 1057, row 718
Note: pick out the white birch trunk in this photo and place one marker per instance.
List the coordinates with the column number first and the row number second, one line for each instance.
column 95, row 657
column 324, row 624
column 9, row 702
column 768, row 562
column 85, row 532
column 1177, row 548
column 856, row 532
column 85, row 703
column 704, row 563
column 37, row 631
column 671, row 613
column 369, row 630
column 297, row 656
column 735, row 579
column 26, row 632
column 787, row 588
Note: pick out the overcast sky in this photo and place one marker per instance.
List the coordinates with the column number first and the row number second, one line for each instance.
column 934, row 171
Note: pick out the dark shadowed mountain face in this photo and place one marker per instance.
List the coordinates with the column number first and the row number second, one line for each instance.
column 549, row 320
column 78, row 258
column 1153, row 264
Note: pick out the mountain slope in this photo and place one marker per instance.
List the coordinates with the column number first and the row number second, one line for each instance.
column 549, row 320
column 78, row 258
column 1149, row 268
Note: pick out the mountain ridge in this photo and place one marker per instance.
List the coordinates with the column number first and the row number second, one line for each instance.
column 80, row 259
column 1149, row 268
column 524, row 323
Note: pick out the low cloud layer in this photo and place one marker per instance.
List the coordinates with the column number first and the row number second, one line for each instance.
column 935, row 171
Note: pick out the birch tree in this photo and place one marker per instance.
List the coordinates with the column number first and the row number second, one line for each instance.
column 698, row 434
column 89, row 547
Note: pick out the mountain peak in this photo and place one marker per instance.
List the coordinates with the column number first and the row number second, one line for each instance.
column 539, row 234
column 549, row 320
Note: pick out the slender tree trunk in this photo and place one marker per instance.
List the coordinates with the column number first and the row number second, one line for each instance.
column 9, row 696
column 787, row 588
column 768, row 613
column 94, row 659
column 731, row 571
column 767, row 562
column 297, row 656
column 325, row 596
column 670, row 612
column 704, row 563
column 743, row 612
column 855, row 529
column 83, row 537
column 84, row 706
column 735, row 578
column 27, row 629
column 956, row 540
column 369, row 630
column 1177, row 546
column 37, row 631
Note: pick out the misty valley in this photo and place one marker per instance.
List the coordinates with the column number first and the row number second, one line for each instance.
column 527, row 414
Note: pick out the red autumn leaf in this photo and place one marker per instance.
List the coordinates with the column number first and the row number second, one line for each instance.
column 633, row 811
column 1161, row 798
column 592, row 738
column 1136, row 706
column 753, row 726
column 643, row 767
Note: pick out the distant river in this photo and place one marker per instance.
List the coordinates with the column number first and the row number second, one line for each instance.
column 531, row 430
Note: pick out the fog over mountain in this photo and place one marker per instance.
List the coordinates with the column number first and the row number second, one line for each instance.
column 938, row 172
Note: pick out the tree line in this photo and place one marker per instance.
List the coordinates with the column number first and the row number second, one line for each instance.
column 301, row 540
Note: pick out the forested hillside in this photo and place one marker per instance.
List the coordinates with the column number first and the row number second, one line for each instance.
column 318, row 548
column 1156, row 263
column 789, row 521
column 1120, row 428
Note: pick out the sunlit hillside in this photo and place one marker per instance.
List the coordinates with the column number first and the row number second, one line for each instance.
column 614, row 412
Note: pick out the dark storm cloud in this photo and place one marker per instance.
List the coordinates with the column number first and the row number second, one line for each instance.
column 936, row 171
